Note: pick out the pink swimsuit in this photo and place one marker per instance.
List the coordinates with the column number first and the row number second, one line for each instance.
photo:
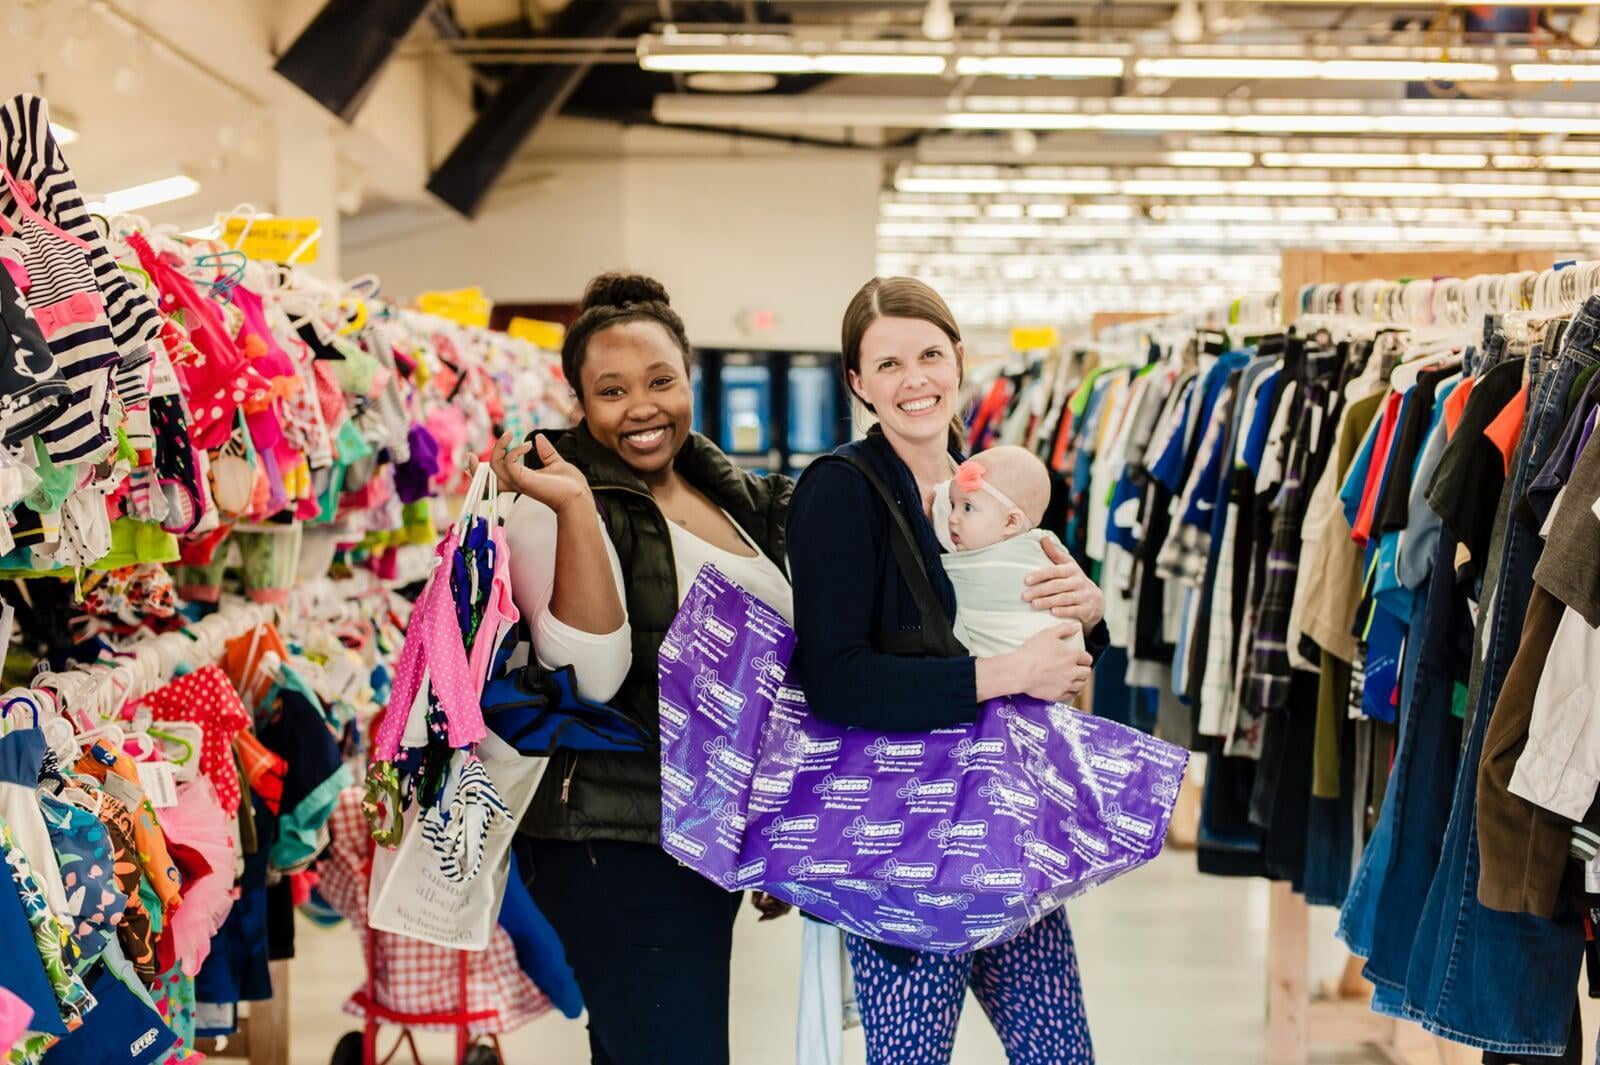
column 499, row 613
column 433, row 652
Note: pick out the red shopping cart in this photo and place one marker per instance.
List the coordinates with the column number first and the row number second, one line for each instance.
column 414, row 985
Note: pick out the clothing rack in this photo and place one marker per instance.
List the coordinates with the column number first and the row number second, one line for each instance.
column 262, row 1038
column 1422, row 289
column 1253, row 313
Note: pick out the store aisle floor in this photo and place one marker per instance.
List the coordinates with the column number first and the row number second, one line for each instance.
column 1173, row 968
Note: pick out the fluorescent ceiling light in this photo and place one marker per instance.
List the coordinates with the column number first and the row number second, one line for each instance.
column 1208, row 158
column 914, row 181
column 793, row 63
column 1036, row 186
column 930, row 210
column 64, row 134
column 1378, row 160
column 1229, row 67
column 1555, row 72
column 727, row 62
column 1040, row 66
column 1249, row 212
column 1453, row 117
column 1249, row 67
column 1303, row 123
column 1177, row 187
column 1406, row 70
column 926, row 65
column 1047, row 210
column 1114, row 211
column 138, row 197
column 1547, row 162
column 1160, row 122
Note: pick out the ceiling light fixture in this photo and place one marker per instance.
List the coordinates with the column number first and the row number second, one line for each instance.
column 928, row 181
column 1548, row 162
column 1453, row 117
column 1239, row 68
column 794, row 63
column 1039, row 66
column 151, row 193
column 1555, row 72
column 1378, row 160
column 731, row 81
column 938, row 21
column 1221, row 159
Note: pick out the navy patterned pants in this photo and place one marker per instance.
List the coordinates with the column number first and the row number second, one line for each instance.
column 1028, row 986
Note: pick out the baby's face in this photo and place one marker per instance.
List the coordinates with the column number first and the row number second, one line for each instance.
column 978, row 519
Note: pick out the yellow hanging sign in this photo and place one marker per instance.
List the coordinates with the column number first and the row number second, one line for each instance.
column 1034, row 337
column 546, row 335
column 278, row 240
column 464, row 306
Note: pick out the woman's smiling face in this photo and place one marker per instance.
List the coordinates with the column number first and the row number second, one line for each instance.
column 636, row 395
column 910, row 376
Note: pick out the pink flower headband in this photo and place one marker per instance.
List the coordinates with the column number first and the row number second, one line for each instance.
column 972, row 477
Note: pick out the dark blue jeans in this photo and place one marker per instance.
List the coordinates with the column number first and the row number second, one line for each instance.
column 1458, row 984
column 1380, row 916
column 649, row 941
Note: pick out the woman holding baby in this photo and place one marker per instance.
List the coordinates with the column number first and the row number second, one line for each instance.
column 882, row 644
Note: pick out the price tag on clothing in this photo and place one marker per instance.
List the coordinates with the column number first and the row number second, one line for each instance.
column 1591, row 875
column 160, row 784
column 342, row 676
column 8, row 618
column 124, row 791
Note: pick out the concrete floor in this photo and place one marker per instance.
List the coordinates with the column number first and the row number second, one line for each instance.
column 1173, row 970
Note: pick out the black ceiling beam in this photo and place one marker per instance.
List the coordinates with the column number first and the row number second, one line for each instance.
column 526, row 98
column 336, row 59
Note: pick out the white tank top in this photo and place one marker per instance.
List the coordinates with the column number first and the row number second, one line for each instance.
column 758, row 575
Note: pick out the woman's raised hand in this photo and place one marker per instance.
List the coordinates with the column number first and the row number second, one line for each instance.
column 1064, row 589
column 557, row 485
column 1053, row 669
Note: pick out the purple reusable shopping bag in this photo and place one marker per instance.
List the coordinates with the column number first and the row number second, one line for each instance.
column 946, row 841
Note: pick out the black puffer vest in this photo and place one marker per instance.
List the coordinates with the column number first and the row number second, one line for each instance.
column 617, row 796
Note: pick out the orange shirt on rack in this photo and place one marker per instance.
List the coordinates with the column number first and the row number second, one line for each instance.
column 1506, row 429
column 1362, row 532
column 117, row 773
column 1455, row 403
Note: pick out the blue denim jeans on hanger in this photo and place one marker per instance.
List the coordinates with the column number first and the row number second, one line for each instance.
column 1458, row 984
column 1417, row 803
column 1358, row 916
column 1427, row 744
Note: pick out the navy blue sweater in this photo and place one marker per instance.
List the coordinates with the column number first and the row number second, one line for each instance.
column 848, row 586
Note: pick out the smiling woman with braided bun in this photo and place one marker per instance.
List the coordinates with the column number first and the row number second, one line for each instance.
column 618, row 515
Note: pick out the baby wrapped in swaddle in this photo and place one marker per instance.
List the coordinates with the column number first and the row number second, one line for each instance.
column 987, row 517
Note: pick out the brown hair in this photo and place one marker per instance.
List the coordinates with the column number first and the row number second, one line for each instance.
column 892, row 297
column 616, row 299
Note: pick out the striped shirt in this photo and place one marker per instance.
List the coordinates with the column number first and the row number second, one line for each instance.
column 89, row 353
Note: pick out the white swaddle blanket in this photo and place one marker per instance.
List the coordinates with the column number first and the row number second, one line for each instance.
column 991, row 617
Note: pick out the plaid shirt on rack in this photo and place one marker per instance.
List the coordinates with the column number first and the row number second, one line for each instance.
column 1270, row 669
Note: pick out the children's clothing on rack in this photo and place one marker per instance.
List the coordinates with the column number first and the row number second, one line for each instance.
column 189, row 441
